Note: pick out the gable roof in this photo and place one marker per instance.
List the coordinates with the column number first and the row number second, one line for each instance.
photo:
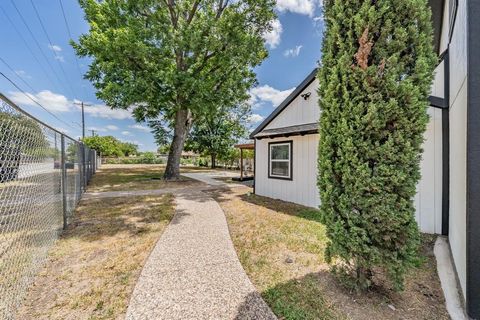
column 305, row 83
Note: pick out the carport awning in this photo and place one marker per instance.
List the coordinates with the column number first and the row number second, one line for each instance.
column 301, row 129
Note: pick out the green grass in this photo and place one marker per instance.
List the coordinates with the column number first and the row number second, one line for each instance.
column 281, row 247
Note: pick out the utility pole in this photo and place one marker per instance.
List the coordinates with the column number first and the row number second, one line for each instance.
column 83, row 105
column 93, row 132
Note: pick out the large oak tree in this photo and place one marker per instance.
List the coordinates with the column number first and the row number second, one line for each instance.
column 174, row 59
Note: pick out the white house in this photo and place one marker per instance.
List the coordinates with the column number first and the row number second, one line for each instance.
column 448, row 195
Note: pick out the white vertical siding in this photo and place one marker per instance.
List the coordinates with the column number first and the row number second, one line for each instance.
column 458, row 143
column 303, row 187
column 428, row 201
column 299, row 111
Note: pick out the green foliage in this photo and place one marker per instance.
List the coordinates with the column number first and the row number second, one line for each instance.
column 128, row 149
column 216, row 133
column 375, row 78
column 148, row 157
column 135, row 160
column 110, row 146
column 174, row 60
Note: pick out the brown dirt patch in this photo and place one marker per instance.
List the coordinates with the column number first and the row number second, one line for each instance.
column 92, row 269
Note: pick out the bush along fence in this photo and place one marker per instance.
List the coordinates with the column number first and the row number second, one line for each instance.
column 43, row 174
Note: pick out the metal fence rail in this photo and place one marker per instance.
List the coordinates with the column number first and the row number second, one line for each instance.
column 42, row 176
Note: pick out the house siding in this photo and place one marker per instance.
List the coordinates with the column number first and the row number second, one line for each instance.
column 458, row 138
column 302, row 189
column 299, row 111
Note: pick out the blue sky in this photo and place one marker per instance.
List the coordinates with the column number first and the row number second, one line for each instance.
column 47, row 69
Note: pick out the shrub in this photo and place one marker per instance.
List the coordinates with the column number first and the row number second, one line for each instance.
column 375, row 78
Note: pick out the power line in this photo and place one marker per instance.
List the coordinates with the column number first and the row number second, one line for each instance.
column 57, row 58
column 28, row 47
column 33, row 100
column 71, row 38
column 36, row 41
column 18, row 76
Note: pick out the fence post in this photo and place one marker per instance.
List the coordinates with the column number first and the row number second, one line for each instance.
column 64, row 182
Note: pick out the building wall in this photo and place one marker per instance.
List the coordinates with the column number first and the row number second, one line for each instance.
column 458, row 143
column 303, row 189
column 300, row 111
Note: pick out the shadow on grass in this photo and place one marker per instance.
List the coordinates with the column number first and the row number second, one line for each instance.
column 301, row 298
column 281, row 206
column 320, row 296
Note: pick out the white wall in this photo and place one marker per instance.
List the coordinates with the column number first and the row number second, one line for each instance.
column 458, row 145
column 303, row 188
column 428, row 200
column 300, row 111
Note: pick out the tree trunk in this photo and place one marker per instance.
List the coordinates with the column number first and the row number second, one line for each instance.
column 182, row 126
column 214, row 158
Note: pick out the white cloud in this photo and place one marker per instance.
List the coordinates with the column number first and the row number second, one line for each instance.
column 255, row 118
column 102, row 111
column 59, row 103
column 139, row 127
column 126, row 133
column 96, row 129
column 306, row 7
column 112, row 127
column 60, row 58
column 273, row 37
column 51, row 101
column 266, row 93
column 23, row 73
column 294, row 52
column 55, row 48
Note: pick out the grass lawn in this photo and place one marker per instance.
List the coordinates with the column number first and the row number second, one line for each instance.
column 91, row 271
column 281, row 245
column 118, row 177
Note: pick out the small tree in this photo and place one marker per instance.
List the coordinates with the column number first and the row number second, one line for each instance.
column 108, row 146
column 375, row 78
column 129, row 148
column 215, row 133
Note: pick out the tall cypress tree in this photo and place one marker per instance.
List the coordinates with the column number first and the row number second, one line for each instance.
column 375, row 78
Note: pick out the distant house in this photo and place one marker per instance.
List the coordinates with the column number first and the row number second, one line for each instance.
column 448, row 197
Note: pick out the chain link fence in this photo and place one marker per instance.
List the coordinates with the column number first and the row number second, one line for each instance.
column 42, row 176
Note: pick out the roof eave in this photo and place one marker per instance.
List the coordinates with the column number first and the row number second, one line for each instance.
column 305, row 83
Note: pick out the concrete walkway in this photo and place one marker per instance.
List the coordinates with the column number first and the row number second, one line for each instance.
column 194, row 272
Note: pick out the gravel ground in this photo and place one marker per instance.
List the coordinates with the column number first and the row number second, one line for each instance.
column 194, row 272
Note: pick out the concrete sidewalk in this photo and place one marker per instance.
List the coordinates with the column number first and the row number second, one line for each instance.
column 194, row 272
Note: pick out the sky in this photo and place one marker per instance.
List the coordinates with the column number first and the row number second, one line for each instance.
column 36, row 55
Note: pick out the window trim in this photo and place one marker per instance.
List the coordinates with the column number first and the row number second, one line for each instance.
column 290, row 161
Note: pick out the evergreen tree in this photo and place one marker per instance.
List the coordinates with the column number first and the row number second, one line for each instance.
column 377, row 69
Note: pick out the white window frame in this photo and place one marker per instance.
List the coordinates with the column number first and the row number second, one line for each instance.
column 289, row 160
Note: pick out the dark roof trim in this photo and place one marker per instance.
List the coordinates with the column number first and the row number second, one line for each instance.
column 438, row 102
column 305, row 83
column 296, row 130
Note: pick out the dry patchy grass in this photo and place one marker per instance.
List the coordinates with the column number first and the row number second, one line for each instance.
column 281, row 245
column 91, row 271
column 134, row 177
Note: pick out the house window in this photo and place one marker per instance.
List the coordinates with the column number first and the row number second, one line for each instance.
column 280, row 160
